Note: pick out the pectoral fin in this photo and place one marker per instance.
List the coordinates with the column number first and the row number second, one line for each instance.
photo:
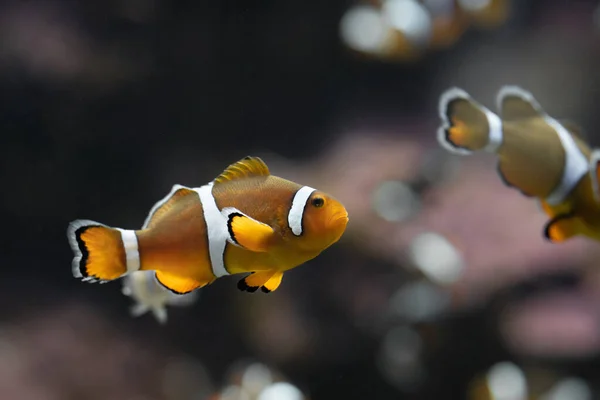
column 247, row 232
column 268, row 281
column 562, row 227
column 177, row 284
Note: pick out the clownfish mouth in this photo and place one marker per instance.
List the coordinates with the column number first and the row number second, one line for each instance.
column 338, row 218
column 338, row 221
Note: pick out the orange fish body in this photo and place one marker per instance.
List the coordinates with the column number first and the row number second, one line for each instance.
column 537, row 154
column 246, row 220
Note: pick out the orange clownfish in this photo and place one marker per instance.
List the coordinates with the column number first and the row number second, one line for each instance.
column 244, row 221
column 537, row 154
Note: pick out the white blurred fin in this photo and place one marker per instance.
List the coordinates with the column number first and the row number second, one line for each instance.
column 160, row 313
column 139, row 309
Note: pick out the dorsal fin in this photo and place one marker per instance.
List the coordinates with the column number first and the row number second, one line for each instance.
column 245, row 168
column 515, row 103
column 163, row 206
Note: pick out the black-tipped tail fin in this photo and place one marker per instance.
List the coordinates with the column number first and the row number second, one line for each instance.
column 99, row 251
column 467, row 126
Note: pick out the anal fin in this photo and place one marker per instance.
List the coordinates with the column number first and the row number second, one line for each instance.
column 562, row 227
column 176, row 283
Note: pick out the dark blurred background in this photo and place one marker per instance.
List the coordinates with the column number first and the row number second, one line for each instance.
column 442, row 286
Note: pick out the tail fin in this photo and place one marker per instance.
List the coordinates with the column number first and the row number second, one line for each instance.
column 101, row 253
column 595, row 173
column 467, row 125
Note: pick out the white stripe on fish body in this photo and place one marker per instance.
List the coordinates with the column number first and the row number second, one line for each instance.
column 495, row 135
column 132, row 254
column 576, row 165
column 159, row 204
column 297, row 210
column 216, row 230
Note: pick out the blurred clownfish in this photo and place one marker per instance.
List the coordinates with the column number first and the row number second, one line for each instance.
column 595, row 173
column 246, row 220
column 538, row 155
column 149, row 295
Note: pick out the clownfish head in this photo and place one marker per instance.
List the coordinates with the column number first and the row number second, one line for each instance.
column 317, row 220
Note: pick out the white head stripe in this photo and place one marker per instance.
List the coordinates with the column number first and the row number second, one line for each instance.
column 216, row 229
column 495, row 136
column 160, row 203
column 576, row 165
column 297, row 209
column 132, row 254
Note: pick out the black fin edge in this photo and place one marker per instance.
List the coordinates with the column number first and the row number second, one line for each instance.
column 244, row 287
column 553, row 221
column 229, row 229
column 85, row 253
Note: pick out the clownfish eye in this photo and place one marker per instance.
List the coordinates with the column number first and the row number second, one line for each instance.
column 318, row 202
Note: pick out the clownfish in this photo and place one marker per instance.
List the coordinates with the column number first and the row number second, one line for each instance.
column 149, row 295
column 539, row 155
column 244, row 221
